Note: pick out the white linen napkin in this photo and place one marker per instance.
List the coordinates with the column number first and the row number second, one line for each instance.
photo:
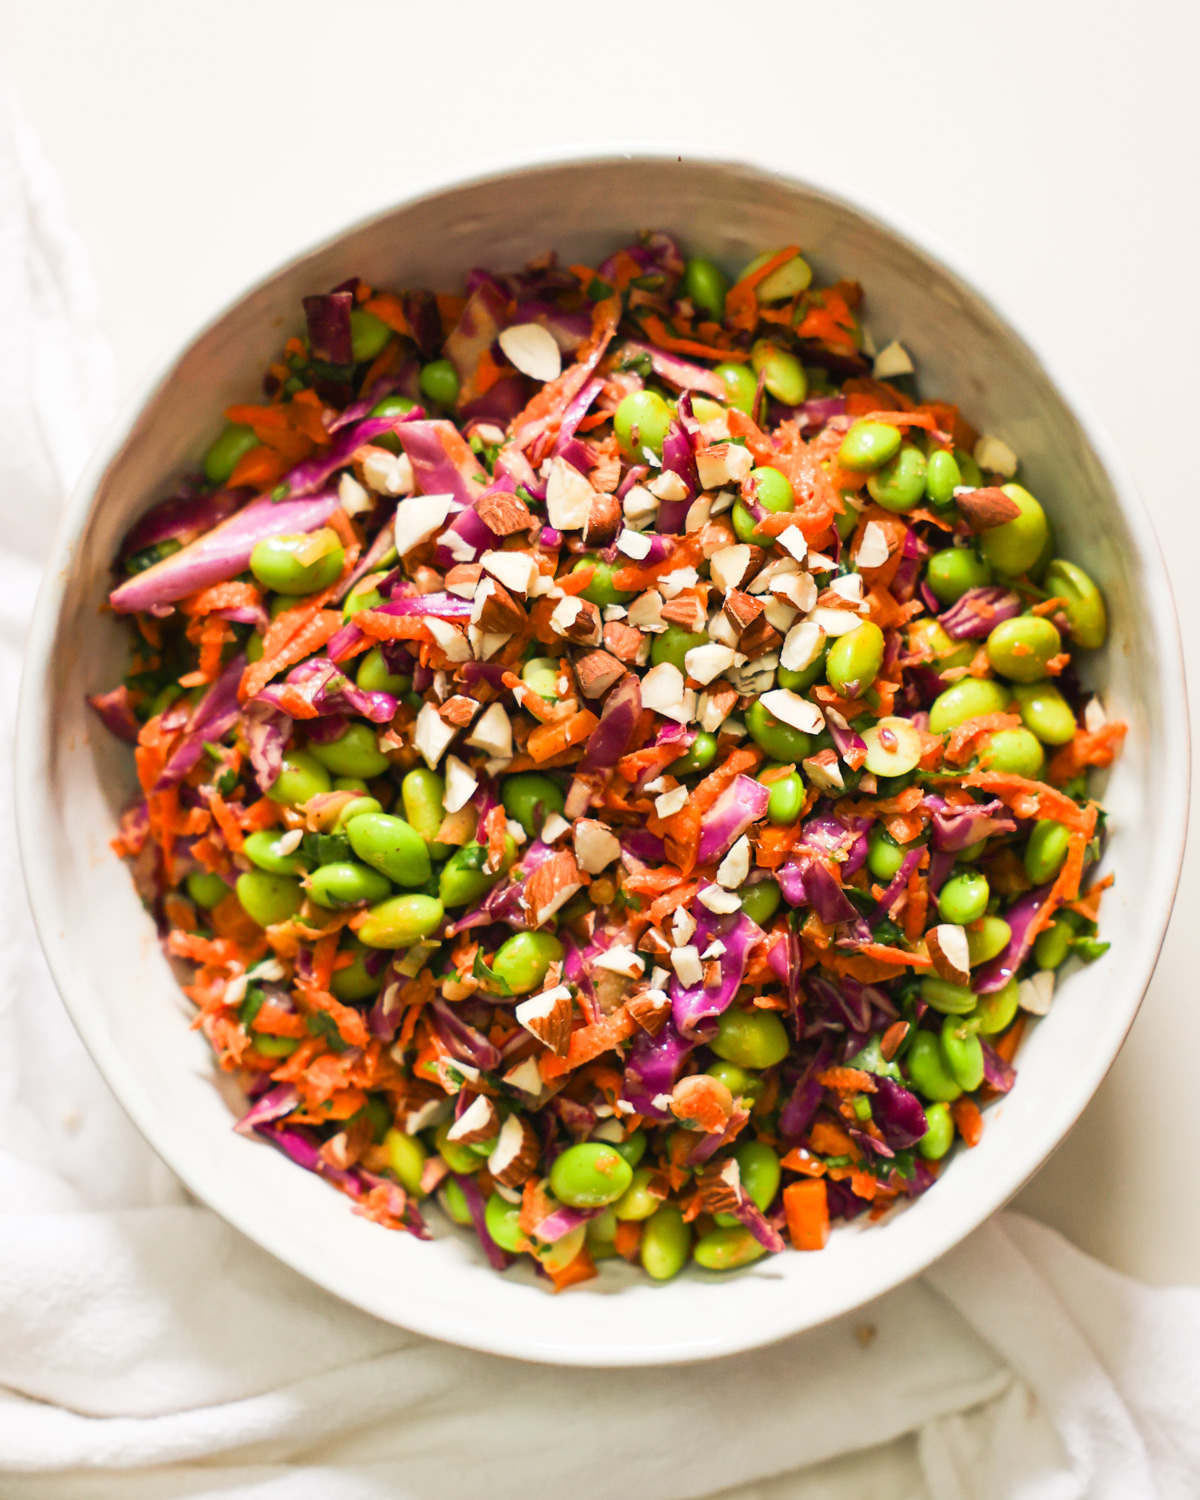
column 147, row 1350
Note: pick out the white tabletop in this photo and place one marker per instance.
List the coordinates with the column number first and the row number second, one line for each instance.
column 1054, row 146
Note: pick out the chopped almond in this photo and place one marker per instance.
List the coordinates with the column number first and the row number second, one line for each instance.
column 604, row 520
column 548, row 1017
column 551, row 886
column 623, row 641
column 650, row 1009
column 459, row 710
column 597, row 671
column 984, row 508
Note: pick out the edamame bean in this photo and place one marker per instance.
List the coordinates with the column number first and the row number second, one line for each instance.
column 423, row 792
column 602, row 1231
column 439, row 381
column 900, row 484
column 962, row 1053
column 298, row 564
column 268, row 899
column 347, row 883
column 391, row 846
column 987, row 940
column 760, row 1173
column 706, row 285
column 359, row 808
column 964, row 897
column 868, row 446
column 463, row 879
column 698, row 756
column 1014, row 547
column 401, row 921
column 751, row 1038
column 947, row 997
column 641, row 421
column 358, row 601
column 632, row 1148
column 884, row 854
column 954, row 570
column 1045, row 712
column 458, row 1158
column 407, row 1158
column 501, row 1220
column 206, row 889
column 786, row 797
column 783, row 374
column 726, row 1249
column 355, row 981
column 785, row 281
column 927, row 1071
column 274, row 1046
column 797, row 682
column 741, row 383
column 222, row 458
column 666, row 1240
column 522, row 960
column 601, row 590
column 1014, row 752
column 939, row 1132
column 772, row 491
column 390, row 406
column 760, row 901
column 1084, row 608
column 374, row 677
column 1046, row 851
column 967, row 700
column 779, row 740
column 368, row 335
column 541, row 673
column 303, row 776
column 262, row 849
column 942, row 477
column 529, row 798
column 454, row 1202
column 855, row 659
column 355, row 753
column 738, row 1081
column 995, row 1011
column 673, row 644
column 1050, row 948
column 637, row 1201
column 971, row 473
column 894, row 747
column 1021, row 648
column 590, row 1175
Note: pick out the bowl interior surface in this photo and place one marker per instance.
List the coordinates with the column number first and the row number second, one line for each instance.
column 74, row 779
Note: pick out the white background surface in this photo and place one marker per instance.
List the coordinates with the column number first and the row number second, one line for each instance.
column 1055, row 145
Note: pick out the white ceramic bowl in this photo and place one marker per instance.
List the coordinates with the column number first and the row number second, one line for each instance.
column 73, row 779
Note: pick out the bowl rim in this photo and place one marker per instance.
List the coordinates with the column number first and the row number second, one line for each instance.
column 33, row 807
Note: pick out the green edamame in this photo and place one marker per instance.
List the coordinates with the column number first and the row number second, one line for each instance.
column 641, row 421
column 1046, row 851
column 705, row 283
column 529, row 798
column 601, row 590
column 939, row 1132
column 206, row 889
column 954, row 570
column 884, row 854
column 406, row 1158
column 797, row 682
column 1014, row 752
column 965, row 700
column 368, row 335
column 947, row 997
column 439, row 381
column 868, row 446
column 1020, row 648
column 698, row 756
column 454, row 1201
column 855, row 659
column 994, row 1012
column 523, row 959
column 223, row 457
column 268, row 899
column 638, row 1202
column 783, row 374
column 423, row 793
column 760, row 1173
column 900, row 484
column 666, row 1240
column 632, row 1148
column 501, row 1219
column 1085, row 610
column 590, row 1175
column 391, row 846
column 298, row 564
column 673, row 644
column 726, row 1249
column 987, row 940
column 359, row 600
column 741, row 383
column 786, row 797
column 458, row 1158
column 739, row 1082
column 1016, row 546
column 463, row 879
column 1045, row 712
column 964, row 897
column 345, row 882
column 794, row 276
column 942, row 478
column 772, row 490
column 401, row 921
column 961, row 1052
column 751, row 1038
column 779, row 740
column 374, row 677
column 760, row 901
column 302, row 777
column 354, row 753
column 1050, row 948
column 927, row 1070
column 355, row 981
column 541, row 673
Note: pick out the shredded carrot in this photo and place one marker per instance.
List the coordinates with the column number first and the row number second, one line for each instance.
column 968, row 1120
column 806, row 1205
column 551, row 739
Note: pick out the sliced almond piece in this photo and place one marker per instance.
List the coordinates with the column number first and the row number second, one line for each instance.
column 533, row 350
column 548, row 1017
column 515, row 1156
column 551, row 886
column 503, row 513
column 597, row 671
column 596, row 846
column 480, row 1121
column 947, row 944
column 650, row 1010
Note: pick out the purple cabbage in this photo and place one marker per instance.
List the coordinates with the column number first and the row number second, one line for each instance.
column 644, row 846
column 574, row 414
column 742, row 803
column 680, row 372
column 312, row 474
column 470, row 1191
column 898, row 1114
column 958, row 827
column 442, row 462
column 499, row 404
column 220, row 554
column 652, row 1067
column 117, row 714
column 467, row 1044
column 563, row 1221
column 1020, row 916
column 424, row 321
column 382, row 544
column 679, row 457
column 476, row 533
column 273, row 1105
column 807, row 881
column 182, row 518
column 329, row 691
column 997, row 1073
column 329, row 327
column 383, row 1019
column 568, row 329
column 739, row 934
column 216, row 712
column 805, row 1099
column 961, row 622
column 480, row 322
column 750, row 1215
column 267, row 730
column 610, row 739
column 846, row 739
column 892, row 894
